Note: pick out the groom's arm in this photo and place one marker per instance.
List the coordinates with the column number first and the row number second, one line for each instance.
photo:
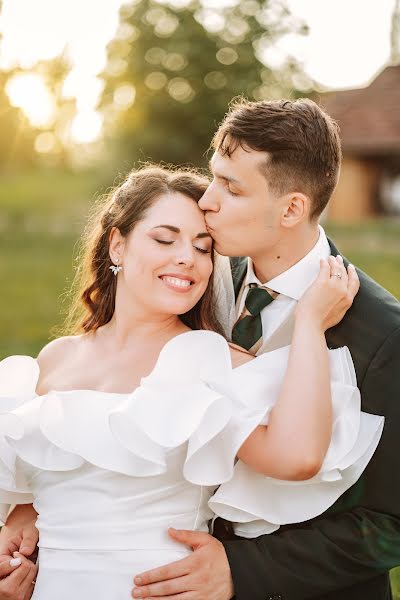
column 344, row 549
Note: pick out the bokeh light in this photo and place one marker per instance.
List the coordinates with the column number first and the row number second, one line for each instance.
column 29, row 92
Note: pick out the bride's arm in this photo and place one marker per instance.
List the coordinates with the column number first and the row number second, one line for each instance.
column 294, row 444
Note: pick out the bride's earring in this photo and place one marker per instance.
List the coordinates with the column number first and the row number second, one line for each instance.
column 116, row 268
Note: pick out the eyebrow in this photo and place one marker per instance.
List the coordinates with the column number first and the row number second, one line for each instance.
column 203, row 234
column 221, row 176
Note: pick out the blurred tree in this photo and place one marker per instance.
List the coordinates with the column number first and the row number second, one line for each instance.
column 26, row 141
column 17, row 135
column 54, row 142
column 35, row 138
column 173, row 67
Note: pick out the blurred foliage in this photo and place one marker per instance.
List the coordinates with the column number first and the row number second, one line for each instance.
column 17, row 135
column 53, row 73
column 19, row 140
column 172, row 72
column 172, row 69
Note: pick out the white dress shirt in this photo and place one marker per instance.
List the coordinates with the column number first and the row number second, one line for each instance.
column 277, row 317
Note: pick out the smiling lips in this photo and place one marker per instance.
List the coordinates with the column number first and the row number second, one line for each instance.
column 178, row 283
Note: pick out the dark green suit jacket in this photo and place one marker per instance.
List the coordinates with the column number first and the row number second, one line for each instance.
column 344, row 554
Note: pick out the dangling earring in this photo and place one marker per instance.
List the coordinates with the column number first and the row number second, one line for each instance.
column 116, row 268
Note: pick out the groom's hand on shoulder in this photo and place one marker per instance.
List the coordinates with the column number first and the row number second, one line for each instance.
column 203, row 574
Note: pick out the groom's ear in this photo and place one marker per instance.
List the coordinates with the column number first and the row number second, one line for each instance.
column 296, row 208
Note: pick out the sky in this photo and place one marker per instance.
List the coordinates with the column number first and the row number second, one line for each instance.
column 349, row 40
column 348, row 43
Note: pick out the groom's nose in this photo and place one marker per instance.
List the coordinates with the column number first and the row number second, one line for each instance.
column 209, row 200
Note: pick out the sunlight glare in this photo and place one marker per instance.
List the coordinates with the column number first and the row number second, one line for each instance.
column 86, row 127
column 45, row 142
column 29, row 92
column 89, row 87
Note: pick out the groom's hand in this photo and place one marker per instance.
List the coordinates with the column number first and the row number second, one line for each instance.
column 17, row 578
column 203, row 574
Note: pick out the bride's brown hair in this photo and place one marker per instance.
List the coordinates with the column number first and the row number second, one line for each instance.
column 94, row 286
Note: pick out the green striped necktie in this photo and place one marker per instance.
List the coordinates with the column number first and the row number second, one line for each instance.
column 247, row 331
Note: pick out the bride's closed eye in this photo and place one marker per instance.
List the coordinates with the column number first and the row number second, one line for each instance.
column 202, row 250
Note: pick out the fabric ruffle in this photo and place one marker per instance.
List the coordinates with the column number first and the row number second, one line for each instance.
column 193, row 397
column 257, row 504
column 18, row 378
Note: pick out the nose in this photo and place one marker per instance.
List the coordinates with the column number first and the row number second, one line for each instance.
column 209, row 200
column 185, row 256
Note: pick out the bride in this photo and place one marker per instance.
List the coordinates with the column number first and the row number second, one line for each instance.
column 146, row 418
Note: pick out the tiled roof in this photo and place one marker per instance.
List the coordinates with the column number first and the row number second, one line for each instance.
column 369, row 118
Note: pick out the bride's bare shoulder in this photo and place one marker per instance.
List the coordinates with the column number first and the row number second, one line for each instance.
column 239, row 355
column 57, row 350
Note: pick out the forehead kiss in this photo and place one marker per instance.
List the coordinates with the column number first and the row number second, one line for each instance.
column 176, row 216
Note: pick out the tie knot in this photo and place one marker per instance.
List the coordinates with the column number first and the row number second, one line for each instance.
column 258, row 298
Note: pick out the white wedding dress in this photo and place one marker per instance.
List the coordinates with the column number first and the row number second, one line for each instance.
column 109, row 473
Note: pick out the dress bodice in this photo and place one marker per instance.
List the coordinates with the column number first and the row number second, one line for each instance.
column 91, row 508
column 119, row 469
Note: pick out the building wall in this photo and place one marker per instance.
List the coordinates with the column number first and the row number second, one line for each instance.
column 355, row 196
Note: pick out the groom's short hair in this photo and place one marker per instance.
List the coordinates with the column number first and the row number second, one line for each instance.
column 301, row 140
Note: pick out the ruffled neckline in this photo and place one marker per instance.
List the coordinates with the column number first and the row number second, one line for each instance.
column 191, row 395
column 171, row 346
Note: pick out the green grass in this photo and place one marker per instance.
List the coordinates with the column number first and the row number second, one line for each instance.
column 374, row 246
column 36, row 271
column 41, row 215
column 55, row 196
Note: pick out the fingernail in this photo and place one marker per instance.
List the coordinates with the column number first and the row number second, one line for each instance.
column 351, row 265
column 138, row 580
column 15, row 562
column 339, row 257
column 15, row 553
column 137, row 593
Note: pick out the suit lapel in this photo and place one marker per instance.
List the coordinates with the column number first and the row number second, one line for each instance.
column 334, row 336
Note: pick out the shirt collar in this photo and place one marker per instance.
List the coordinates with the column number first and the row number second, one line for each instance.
column 295, row 281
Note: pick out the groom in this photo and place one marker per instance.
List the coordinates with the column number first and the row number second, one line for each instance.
column 274, row 169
